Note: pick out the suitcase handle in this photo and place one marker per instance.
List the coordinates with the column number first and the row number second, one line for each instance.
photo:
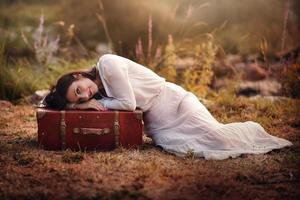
column 91, row 131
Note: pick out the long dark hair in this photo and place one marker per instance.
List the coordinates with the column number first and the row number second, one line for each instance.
column 56, row 99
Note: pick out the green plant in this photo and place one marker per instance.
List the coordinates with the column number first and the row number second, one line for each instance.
column 168, row 70
column 197, row 78
column 15, row 81
column 43, row 46
column 290, row 78
column 22, row 78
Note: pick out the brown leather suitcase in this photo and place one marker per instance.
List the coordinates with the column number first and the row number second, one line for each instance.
column 88, row 130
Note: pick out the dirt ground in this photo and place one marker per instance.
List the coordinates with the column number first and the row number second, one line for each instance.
column 28, row 172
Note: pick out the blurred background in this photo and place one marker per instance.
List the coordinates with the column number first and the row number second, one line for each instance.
column 246, row 47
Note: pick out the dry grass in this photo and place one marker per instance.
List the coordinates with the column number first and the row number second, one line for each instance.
column 27, row 172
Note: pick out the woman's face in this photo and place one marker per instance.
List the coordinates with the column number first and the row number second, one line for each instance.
column 81, row 90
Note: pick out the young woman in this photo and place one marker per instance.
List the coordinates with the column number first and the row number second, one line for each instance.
column 174, row 118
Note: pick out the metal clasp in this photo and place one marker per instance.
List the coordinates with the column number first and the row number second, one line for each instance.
column 91, row 131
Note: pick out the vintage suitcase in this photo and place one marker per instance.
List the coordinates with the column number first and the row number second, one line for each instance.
column 88, row 130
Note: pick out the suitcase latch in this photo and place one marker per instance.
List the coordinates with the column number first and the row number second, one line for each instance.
column 91, row 131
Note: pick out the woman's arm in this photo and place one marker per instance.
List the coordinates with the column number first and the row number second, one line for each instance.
column 90, row 104
column 115, row 77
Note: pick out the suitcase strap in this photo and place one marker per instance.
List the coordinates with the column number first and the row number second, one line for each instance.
column 117, row 129
column 63, row 129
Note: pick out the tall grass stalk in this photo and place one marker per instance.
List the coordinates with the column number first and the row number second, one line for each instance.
column 2, row 64
column 264, row 48
column 285, row 20
column 139, row 51
column 149, row 59
column 149, row 39
column 102, row 20
column 44, row 47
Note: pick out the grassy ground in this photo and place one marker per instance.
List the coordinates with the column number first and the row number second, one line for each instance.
column 28, row 172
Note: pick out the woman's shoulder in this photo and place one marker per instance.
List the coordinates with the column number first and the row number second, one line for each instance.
column 105, row 60
column 110, row 63
column 108, row 58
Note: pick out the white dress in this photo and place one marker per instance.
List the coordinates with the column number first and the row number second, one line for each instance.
column 174, row 118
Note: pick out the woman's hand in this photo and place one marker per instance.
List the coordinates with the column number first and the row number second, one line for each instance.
column 90, row 104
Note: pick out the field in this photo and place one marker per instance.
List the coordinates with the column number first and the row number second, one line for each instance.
column 241, row 59
column 28, row 172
